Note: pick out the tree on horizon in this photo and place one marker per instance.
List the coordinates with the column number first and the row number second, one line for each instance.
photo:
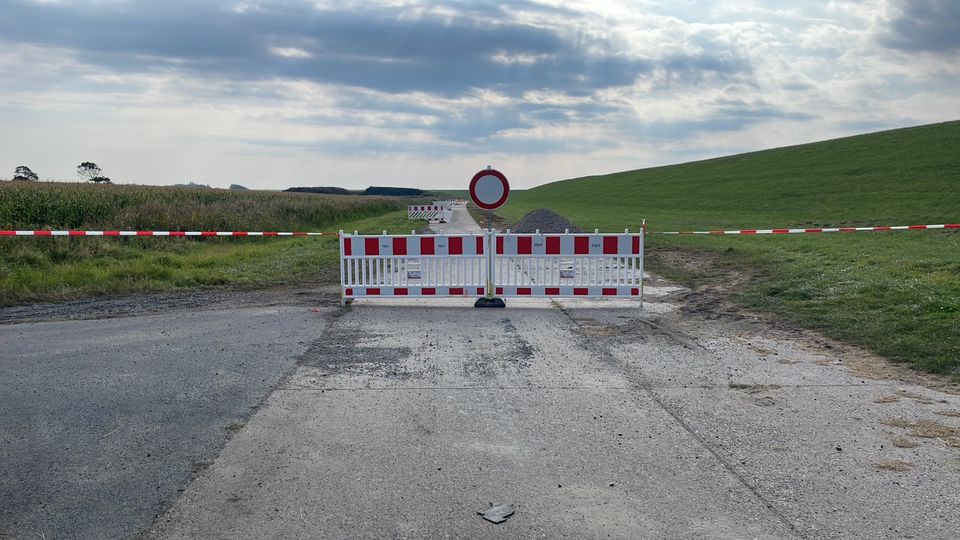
column 91, row 172
column 23, row 173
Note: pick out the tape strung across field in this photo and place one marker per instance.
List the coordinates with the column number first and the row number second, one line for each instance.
column 273, row 233
column 163, row 233
column 817, row 230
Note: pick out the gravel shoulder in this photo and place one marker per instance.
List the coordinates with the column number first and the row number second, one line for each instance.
column 303, row 295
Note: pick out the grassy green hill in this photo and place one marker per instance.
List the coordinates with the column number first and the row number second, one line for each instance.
column 904, row 175
column 895, row 293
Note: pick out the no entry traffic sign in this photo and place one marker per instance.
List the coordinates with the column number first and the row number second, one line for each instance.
column 489, row 189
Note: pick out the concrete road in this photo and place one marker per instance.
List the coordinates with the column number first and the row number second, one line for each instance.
column 594, row 418
column 103, row 422
column 461, row 222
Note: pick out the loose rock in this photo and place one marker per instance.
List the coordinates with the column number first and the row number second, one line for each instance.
column 546, row 220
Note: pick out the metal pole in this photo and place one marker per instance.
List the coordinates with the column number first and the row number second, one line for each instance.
column 490, row 247
column 643, row 247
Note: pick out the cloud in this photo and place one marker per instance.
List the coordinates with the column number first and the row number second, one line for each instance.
column 382, row 48
column 561, row 88
column 923, row 25
column 721, row 116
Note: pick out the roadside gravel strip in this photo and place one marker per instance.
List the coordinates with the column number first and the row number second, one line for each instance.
column 593, row 418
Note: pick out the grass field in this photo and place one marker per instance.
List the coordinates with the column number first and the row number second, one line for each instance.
column 897, row 294
column 33, row 269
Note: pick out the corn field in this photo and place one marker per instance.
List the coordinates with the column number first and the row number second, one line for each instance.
column 52, row 205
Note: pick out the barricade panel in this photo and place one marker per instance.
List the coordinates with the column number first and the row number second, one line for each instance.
column 522, row 265
column 412, row 265
column 571, row 265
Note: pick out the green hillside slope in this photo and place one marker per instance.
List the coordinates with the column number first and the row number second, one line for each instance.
column 897, row 294
column 904, row 175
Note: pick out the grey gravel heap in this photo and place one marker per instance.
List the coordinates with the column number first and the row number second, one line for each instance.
column 546, row 220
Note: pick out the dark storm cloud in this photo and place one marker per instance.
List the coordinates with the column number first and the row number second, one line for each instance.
column 384, row 49
column 924, row 25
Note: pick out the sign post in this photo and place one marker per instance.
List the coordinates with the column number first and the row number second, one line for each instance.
column 489, row 189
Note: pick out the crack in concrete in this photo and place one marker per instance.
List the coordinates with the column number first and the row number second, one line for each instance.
column 531, row 388
column 604, row 351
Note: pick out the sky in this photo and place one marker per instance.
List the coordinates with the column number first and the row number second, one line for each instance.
column 277, row 93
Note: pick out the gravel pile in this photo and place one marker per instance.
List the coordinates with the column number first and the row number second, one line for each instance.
column 545, row 220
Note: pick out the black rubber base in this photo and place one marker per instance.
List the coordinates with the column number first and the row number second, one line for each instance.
column 490, row 302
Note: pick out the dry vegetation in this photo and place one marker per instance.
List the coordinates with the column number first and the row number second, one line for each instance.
column 33, row 269
column 49, row 205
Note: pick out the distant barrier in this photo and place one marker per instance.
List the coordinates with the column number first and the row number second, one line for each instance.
column 432, row 212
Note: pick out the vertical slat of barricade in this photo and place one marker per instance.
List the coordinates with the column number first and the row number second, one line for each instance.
column 643, row 238
column 604, row 270
column 361, row 269
column 343, row 271
column 445, row 270
column 385, row 278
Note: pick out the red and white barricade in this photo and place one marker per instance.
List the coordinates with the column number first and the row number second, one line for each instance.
column 429, row 212
column 521, row 265
column 568, row 265
column 385, row 266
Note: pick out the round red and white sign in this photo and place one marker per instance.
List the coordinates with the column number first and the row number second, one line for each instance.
column 489, row 189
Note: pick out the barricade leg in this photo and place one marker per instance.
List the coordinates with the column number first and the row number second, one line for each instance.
column 490, row 300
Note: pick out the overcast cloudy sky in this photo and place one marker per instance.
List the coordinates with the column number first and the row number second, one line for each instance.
column 288, row 92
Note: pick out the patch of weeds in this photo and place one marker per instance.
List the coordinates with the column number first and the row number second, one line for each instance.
column 904, row 442
column 927, row 429
column 893, row 466
column 895, row 397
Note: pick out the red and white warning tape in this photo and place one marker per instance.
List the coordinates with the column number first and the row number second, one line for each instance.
column 818, row 230
column 163, row 233
column 299, row 233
